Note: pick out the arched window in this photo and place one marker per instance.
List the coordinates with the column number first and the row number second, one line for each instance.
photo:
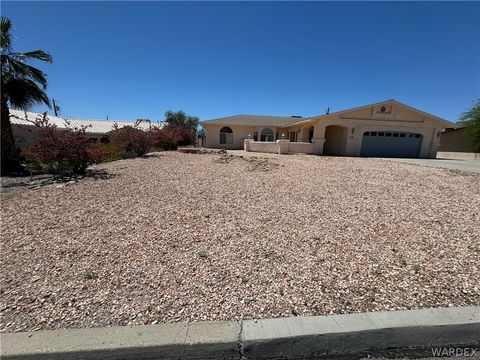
column 266, row 135
column 226, row 136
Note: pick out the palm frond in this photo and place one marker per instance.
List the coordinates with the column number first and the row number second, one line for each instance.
column 18, row 69
column 5, row 26
column 24, row 93
column 34, row 55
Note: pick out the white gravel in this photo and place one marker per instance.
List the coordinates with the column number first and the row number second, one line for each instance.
column 179, row 237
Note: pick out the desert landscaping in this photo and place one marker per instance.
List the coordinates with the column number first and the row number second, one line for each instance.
column 186, row 237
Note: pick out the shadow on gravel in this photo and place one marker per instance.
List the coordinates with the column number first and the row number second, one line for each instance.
column 149, row 156
column 36, row 181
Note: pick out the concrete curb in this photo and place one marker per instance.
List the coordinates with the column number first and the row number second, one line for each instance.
column 396, row 332
column 203, row 340
column 375, row 333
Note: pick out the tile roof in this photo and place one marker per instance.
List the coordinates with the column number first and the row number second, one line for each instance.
column 255, row 120
column 20, row 117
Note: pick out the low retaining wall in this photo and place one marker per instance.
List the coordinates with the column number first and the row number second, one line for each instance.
column 279, row 147
column 300, row 147
column 399, row 333
column 458, row 155
column 263, row 146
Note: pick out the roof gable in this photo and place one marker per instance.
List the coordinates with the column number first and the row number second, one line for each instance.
column 364, row 110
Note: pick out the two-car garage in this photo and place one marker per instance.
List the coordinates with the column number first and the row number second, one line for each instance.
column 391, row 144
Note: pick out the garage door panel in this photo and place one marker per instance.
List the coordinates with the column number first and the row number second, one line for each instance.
column 390, row 144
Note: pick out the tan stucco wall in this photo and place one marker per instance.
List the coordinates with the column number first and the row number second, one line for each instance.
column 455, row 141
column 279, row 147
column 300, row 147
column 263, row 146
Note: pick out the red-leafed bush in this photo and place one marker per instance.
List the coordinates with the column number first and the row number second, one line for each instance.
column 63, row 151
column 171, row 136
column 132, row 141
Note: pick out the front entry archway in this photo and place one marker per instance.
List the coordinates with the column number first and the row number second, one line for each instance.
column 335, row 140
column 266, row 135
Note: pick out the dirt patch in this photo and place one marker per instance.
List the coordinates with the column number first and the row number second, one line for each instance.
column 254, row 163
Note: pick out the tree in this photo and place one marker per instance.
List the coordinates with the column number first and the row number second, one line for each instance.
column 179, row 118
column 22, row 86
column 471, row 121
column 171, row 136
column 201, row 134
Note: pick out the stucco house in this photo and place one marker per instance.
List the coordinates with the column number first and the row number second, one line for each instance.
column 388, row 129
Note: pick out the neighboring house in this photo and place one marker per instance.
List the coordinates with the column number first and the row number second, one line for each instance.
column 25, row 131
column 385, row 129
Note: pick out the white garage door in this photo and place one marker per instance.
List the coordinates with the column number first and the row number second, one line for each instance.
column 391, row 144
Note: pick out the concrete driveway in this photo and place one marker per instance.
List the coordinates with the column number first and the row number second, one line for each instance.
column 452, row 164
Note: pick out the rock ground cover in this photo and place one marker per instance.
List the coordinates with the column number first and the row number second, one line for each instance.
column 187, row 237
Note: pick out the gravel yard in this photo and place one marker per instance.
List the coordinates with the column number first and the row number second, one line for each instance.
column 186, row 237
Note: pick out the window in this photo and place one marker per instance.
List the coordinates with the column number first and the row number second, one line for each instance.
column 266, row 135
column 226, row 136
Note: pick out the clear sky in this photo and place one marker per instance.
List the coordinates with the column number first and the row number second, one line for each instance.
column 138, row 59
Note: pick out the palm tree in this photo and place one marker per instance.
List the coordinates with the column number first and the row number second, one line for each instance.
column 22, row 86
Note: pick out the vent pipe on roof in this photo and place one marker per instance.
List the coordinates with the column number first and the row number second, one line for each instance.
column 328, row 111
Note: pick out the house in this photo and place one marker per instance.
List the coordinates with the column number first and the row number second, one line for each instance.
column 26, row 132
column 385, row 129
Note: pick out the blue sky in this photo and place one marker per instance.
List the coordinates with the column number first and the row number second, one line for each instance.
column 138, row 59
